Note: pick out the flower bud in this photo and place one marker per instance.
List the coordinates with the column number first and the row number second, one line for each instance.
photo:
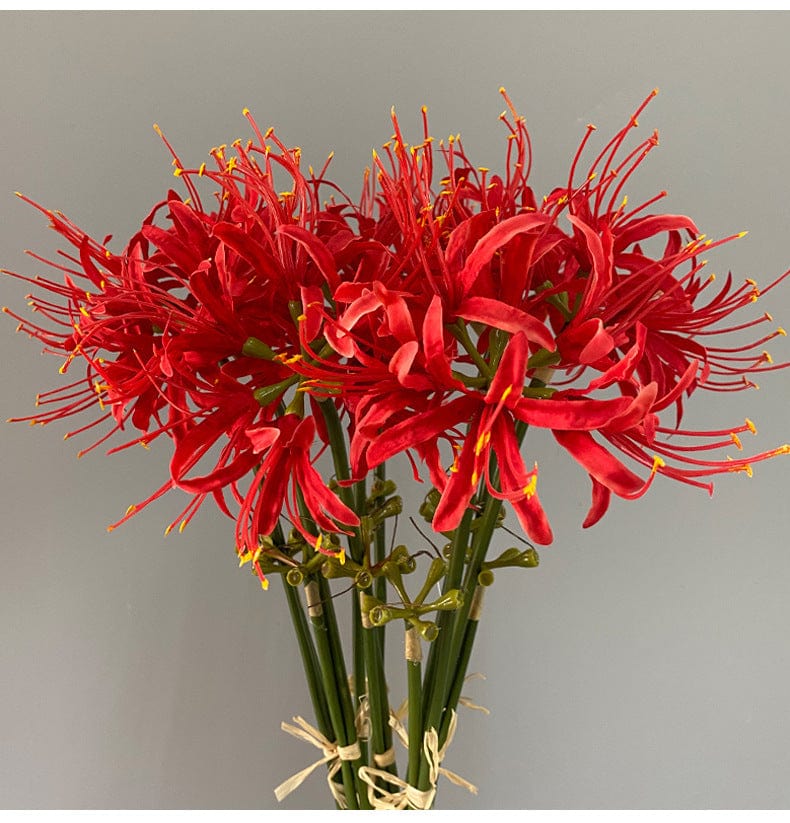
column 257, row 348
column 266, row 395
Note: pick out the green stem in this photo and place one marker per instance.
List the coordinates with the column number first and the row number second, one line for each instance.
column 379, row 553
column 332, row 690
column 358, row 642
column 381, row 733
column 459, row 332
column 459, row 675
column 440, row 657
column 309, row 660
column 444, row 622
column 414, row 682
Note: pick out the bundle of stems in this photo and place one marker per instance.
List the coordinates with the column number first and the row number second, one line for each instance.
column 353, row 712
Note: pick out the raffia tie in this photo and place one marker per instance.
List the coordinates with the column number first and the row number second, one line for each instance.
column 406, row 796
column 332, row 756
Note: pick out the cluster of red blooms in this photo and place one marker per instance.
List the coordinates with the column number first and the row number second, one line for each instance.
column 442, row 314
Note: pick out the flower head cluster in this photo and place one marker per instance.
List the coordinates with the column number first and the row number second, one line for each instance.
column 441, row 314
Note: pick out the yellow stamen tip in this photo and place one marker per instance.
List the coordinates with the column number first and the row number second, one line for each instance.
column 742, row 234
column 736, row 440
column 781, row 331
column 749, row 425
column 341, row 556
column 182, row 526
column 264, row 584
column 245, row 111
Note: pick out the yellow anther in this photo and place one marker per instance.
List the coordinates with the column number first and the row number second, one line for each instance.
column 181, row 526
column 742, row 234
column 264, row 584
column 318, row 541
column 506, row 393
column 749, row 425
column 341, row 556
column 737, row 441
column 157, row 129
column 130, row 510
column 301, row 318
column 245, row 558
column 177, row 172
column 475, row 478
column 202, row 169
column 785, row 449
column 529, row 489
column 232, row 164
column 781, row 331
column 481, row 442
column 84, row 311
column 168, row 529
column 245, row 111
column 483, row 169
column 256, row 554
column 658, row 463
column 767, row 357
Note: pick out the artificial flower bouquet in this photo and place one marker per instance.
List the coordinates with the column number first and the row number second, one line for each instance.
column 262, row 318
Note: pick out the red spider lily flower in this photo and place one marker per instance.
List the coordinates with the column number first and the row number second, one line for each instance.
column 286, row 470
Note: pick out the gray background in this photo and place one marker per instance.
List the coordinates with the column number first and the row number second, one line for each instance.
column 646, row 663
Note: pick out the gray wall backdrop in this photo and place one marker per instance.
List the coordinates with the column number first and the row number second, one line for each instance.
column 645, row 664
